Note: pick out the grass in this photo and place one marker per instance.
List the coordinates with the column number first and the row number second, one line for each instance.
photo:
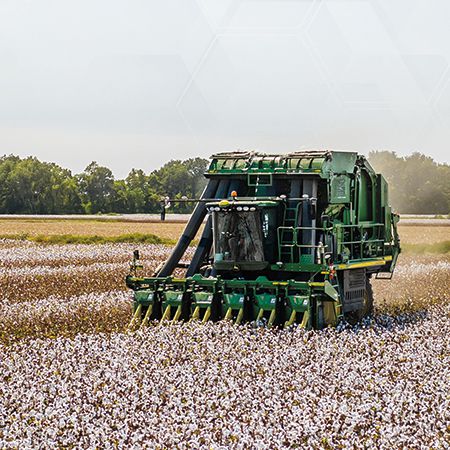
column 437, row 247
column 414, row 239
column 96, row 239
column 27, row 229
column 425, row 216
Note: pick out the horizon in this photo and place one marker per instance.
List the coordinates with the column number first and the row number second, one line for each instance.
column 132, row 83
column 208, row 158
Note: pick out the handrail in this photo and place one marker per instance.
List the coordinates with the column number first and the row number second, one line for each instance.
column 295, row 231
column 375, row 244
column 361, row 241
column 359, row 225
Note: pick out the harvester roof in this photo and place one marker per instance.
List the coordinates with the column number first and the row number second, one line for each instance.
column 321, row 162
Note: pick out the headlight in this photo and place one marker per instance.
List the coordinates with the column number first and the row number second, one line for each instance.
column 252, row 208
column 239, row 208
column 216, row 208
column 246, row 208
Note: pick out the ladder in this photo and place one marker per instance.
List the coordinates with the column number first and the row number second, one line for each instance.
column 286, row 235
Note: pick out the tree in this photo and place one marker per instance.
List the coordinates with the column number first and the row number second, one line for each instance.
column 8, row 202
column 29, row 186
column 96, row 186
column 196, row 168
column 138, row 192
column 177, row 179
column 120, row 201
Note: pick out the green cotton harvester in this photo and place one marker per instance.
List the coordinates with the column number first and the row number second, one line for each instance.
column 288, row 239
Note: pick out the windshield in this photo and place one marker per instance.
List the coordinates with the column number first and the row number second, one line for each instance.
column 238, row 236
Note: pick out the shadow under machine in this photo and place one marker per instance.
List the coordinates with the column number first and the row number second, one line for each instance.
column 288, row 239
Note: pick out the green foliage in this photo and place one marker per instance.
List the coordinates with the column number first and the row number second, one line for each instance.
column 417, row 184
column 177, row 179
column 138, row 191
column 96, row 185
column 29, row 186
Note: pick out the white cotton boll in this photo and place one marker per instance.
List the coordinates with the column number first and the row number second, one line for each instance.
column 221, row 386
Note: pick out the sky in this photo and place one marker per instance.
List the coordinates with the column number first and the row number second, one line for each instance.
column 135, row 83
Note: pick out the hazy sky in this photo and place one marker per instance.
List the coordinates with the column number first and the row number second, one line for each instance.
column 137, row 82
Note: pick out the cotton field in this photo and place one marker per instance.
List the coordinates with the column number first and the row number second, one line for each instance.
column 220, row 386
column 71, row 377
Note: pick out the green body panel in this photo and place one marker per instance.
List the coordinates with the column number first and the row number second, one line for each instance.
column 298, row 267
column 172, row 298
column 144, row 297
column 266, row 301
column 299, row 303
column 306, row 260
column 202, row 299
column 340, row 189
column 341, row 162
column 233, row 301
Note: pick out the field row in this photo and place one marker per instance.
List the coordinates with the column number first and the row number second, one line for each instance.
column 50, row 291
column 221, row 386
column 38, row 228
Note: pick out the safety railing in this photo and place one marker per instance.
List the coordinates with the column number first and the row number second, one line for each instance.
column 362, row 240
column 297, row 240
column 358, row 241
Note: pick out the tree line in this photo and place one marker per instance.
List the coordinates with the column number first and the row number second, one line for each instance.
column 417, row 184
column 30, row 186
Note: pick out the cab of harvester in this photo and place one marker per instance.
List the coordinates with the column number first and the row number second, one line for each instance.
column 288, row 239
column 244, row 235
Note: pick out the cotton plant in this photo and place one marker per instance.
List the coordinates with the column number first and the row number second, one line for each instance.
column 224, row 386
